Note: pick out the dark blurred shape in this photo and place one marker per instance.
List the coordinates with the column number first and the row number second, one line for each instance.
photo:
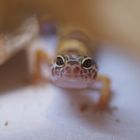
column 48, row 28
column 14, row 73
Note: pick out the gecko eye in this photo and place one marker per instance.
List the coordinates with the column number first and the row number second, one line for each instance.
column 87, row 63
column 60, row 61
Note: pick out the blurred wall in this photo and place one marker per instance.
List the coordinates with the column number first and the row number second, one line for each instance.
column 111, row 20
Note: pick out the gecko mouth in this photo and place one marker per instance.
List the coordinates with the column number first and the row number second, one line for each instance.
column 72, row 82
column 75, row 77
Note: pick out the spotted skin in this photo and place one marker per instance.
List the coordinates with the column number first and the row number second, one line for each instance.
column 72, row 70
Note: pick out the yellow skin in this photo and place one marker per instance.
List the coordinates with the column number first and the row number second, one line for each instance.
column 73, row 66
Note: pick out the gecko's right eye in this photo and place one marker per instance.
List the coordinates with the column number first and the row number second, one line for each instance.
column 60, row 61
column 87, row 63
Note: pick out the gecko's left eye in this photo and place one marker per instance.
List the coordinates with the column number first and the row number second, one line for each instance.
column 60, row 61
column 87, row 63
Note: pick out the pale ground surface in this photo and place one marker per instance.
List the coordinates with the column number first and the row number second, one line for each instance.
column 48, row 113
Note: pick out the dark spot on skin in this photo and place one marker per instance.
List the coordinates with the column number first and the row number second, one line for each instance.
column 86, row 77
column 88, row 71
column 96, row 66
column 61, row 73
column 85, row 71
column 84, row 107
column 56, row 71
column 81, row 72
column 95, row 75
column 89, row 75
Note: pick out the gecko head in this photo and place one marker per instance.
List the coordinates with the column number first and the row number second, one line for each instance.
column 73, row 70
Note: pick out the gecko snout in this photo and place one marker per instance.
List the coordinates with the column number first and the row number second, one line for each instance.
column 72, row 70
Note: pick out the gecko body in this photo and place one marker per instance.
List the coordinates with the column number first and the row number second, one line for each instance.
column 71, row 64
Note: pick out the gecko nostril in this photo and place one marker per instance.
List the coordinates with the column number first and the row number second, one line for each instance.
column 76, row 70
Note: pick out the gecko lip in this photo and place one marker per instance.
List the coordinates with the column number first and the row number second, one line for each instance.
column 75, row 83
column 77, row 77
column 71, row 75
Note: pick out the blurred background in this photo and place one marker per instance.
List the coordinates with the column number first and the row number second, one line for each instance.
column 112, row 21
column 46, row 112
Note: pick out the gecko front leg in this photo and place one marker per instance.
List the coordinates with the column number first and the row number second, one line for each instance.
column 105, row 91
column 41, row 57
